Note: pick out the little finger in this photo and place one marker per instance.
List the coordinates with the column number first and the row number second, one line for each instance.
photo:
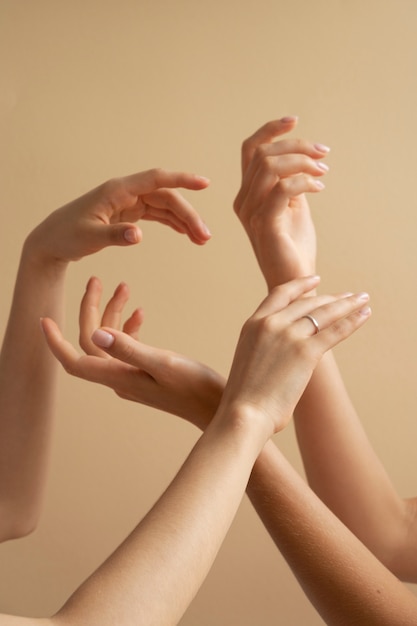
column 133, row 324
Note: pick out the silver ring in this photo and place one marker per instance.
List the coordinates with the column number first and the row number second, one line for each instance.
column 314, row 322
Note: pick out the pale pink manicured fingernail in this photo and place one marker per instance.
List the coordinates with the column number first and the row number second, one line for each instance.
column 321, row 147
column 102, row 339
column 365, row 311
column 322, row 166
column 319, row 184
column 131, row 235
column 203, row 178
column 363, row 296
column 288, row 119
column 206, row 229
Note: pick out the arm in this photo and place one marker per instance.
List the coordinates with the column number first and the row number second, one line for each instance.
column 102, row 217
column 339, row 461
column 341, row 577
column 152, row 577
column 349, row 587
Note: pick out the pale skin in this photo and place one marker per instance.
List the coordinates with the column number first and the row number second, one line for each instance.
column 153, row 576
column 340, row 463
column 104, row 216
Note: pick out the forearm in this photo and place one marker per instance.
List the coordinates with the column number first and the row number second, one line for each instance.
column 27, row 376
column 344, row 471
column 154, row 575
column 343, row 580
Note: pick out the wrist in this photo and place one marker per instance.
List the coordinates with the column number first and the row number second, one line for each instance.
column 245, row 421
column 35, row 258
column 34, row 250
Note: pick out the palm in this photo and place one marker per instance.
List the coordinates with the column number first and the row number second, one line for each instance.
column 287, row 248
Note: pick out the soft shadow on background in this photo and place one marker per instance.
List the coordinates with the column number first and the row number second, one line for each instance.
column 93, row 89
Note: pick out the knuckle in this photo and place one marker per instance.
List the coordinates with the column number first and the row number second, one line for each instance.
column 157, row 176
column 285, row 185
column 301, row 349
column 70, row 367
column 125, row 351
column 113, row 186
column 168, row 363
column 267, row 325
column 343, row 327
column 236, row 205
column 247, row 145
column 84, row 344
column 261, row 152
column 249, row 325
column 114, row 192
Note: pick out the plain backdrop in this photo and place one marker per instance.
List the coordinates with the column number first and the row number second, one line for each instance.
column 91, row 89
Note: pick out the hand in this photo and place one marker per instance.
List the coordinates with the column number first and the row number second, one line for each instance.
column 271, row 203
column 279, row 347
column 105, row 216
column 159, row 378
column 90, row 318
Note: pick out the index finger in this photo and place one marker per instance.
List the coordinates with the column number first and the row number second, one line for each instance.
column 265, row 134
column 157, row 178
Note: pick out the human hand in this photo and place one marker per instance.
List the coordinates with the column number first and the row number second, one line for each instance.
column 159, row 378
column 271, row 202
column 279, row 347
column 106, row 216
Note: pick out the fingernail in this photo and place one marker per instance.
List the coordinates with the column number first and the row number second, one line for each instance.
column 206, row 229
column 363, row 296
column 203, row 178
column 319, row 184
column 288, row 119
column 102, row 339
column 131, row 235
column 365, row 311
column 321, row 147
column 322, row 166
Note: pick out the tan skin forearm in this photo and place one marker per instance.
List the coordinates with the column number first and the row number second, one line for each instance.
column 344, row 581
column 345, row 472
column 27, row 391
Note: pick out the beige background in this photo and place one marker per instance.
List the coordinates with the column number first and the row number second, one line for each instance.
column 91, row 89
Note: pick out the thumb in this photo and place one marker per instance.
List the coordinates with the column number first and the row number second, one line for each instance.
column 124, row 234
column 124, row 348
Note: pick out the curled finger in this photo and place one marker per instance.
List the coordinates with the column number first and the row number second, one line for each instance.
column 169, row 207
column 265, row 134
column 133, row 324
